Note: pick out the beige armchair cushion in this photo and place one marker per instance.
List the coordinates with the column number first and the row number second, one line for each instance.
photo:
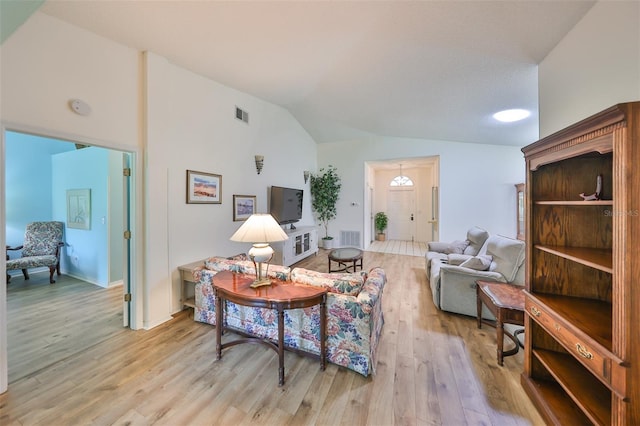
column 508, row 255
column 475, row 238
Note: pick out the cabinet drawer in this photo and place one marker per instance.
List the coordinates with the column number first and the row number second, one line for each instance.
column 597, row 359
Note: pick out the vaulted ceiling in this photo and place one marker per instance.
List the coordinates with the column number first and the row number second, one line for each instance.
column 353, row 69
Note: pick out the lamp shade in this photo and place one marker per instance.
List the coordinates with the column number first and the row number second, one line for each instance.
column 259, row 228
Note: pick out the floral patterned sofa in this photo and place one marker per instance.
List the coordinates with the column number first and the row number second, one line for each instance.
column 354, row 311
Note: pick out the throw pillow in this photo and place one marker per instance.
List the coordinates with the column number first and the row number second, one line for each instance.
column 479, row 263
column 457, row 246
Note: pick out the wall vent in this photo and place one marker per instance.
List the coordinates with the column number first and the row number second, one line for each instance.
column 350, row 238
column 242, row 115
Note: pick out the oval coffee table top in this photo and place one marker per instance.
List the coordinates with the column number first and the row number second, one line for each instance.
column 346, row 254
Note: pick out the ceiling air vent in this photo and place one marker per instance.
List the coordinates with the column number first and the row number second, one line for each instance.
column 242, row 115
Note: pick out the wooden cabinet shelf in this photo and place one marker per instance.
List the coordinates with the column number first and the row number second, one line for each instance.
column 600, row 259
column 575, row 203
column 582, row 303
column 584, row 389
column 556, row 406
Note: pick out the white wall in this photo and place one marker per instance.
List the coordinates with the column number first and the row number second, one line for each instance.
column 476, row 181
column 47, row 62
column 597, row 65
column 191, row 125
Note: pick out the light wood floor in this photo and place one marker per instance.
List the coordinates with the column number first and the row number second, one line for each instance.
column 71, row 363
column 408, row 248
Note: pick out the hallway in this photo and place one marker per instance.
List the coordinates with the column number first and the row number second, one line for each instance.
column 408, row 248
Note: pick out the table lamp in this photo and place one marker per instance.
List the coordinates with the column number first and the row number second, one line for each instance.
column 260, row 229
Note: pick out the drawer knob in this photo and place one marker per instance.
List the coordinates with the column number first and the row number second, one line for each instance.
column 535, row 311
column 583, row 351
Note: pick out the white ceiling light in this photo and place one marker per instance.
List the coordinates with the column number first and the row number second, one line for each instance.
column 511, row 115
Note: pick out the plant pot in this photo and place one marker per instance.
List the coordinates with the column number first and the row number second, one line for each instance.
column 380, row 237
column 327, row 243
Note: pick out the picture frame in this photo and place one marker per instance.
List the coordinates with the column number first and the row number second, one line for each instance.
column 243, row 207
column 79, row 208
column 203, row 188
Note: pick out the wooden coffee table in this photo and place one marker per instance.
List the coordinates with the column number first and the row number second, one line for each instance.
column 506, row 303
column 279, row 296
column 344, row 256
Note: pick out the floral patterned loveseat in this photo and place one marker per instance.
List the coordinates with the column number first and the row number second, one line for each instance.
column 354, row 311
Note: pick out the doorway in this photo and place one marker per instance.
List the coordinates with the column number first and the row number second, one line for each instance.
column 111, row 214
column 413, row 210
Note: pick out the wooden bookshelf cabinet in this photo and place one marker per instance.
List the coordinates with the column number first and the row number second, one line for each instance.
column 582, row 309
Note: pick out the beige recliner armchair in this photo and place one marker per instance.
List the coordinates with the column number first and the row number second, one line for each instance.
column 453, row 278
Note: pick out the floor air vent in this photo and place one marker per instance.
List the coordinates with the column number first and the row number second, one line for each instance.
column 350, row 238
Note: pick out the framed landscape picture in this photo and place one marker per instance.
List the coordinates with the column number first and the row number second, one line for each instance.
column 203, row 188
column 243, row 206
column 79, row 208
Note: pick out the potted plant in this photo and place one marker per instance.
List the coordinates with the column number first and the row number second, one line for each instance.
column 325, row 191
column 381, row 220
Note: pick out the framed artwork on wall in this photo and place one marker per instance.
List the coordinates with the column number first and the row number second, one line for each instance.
column 243, row 207
column 79, row 208
column 203, row 188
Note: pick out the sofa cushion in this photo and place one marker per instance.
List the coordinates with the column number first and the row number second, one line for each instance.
column 457, row 246
column 218, row 264
column 341, row 283
column 457, row 259
column 479, row 263
column 475, row 238
column 508, row 255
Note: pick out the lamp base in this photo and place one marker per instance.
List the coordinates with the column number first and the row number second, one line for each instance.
column 260, row 283
column 261, row 254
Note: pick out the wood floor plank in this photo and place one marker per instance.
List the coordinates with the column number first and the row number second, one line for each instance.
column 71, row 362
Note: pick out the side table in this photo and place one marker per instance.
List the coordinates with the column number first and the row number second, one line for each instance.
column 280, row 296
column 506, row 303
column 187, row 298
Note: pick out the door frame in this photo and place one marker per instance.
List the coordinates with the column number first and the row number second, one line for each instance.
column 372, row 167
column 135, row 320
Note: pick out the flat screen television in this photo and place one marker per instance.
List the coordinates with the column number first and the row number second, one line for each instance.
column 286, row 204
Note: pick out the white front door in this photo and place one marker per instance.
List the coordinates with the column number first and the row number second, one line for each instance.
column 401, row 205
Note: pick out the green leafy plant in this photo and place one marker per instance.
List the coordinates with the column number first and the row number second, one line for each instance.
column 325, row 191
column 381, row 221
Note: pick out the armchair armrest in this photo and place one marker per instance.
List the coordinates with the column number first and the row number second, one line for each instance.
column 437, row 246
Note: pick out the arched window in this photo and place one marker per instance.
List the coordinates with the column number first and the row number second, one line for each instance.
column 401, row 181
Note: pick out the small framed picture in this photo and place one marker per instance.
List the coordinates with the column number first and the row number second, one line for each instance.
column 79, row 208
column 203, row 188
column 243, row 207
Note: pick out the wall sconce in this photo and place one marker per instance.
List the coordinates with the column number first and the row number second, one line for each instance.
column 259, row 163
column 306, row 176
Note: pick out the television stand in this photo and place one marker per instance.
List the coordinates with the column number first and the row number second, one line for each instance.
column 302, row 243
column 292, row 227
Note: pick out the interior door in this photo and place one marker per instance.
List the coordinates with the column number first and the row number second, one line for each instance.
column 401, row 206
